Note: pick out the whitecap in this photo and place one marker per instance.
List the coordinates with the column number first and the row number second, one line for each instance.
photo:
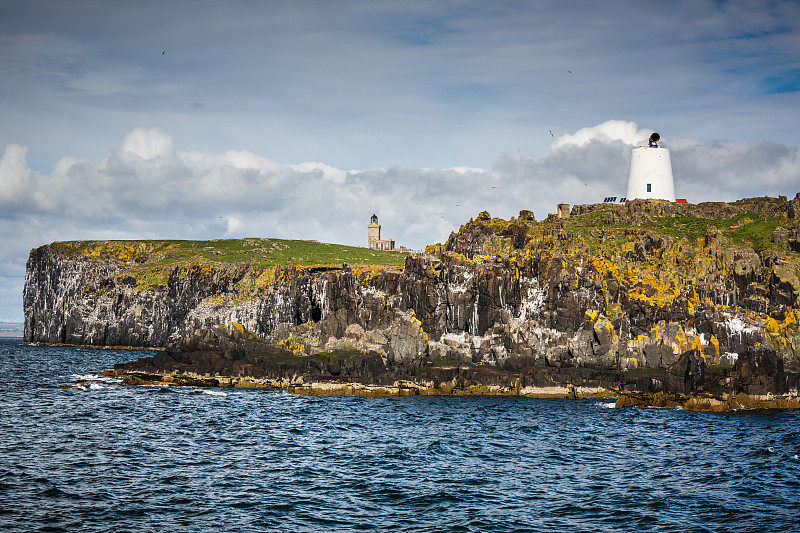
column 214, row 393
column 97, row 378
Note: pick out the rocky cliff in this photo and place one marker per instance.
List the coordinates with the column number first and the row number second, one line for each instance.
column 613, row 296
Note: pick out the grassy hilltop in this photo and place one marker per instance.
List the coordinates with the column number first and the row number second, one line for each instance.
column 760, row 225
column 592, row 228
column 151, row 262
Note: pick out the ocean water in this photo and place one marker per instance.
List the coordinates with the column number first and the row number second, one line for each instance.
column 116, row 458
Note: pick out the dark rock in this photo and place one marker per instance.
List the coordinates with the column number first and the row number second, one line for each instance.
column 761, row 372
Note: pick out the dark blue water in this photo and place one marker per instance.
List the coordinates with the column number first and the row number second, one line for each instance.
column 154, row 459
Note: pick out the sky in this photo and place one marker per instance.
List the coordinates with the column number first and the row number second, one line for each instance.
column 203, row 119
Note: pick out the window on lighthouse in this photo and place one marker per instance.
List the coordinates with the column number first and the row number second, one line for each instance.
column 649, row 187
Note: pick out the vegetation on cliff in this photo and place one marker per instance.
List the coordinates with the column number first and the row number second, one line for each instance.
column 144, row 293
column 149, row 264
column 264, row 252
column 672, row 262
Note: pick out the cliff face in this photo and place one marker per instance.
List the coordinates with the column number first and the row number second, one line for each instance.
column 613, row 288
column 120, row 294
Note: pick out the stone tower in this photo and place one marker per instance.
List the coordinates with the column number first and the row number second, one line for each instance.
column 651, row 172
column 374, row 241
column 373, row 232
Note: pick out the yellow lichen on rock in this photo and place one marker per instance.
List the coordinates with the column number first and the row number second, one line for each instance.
column 235, row 325
column 784, row 334
column 654, row 290
column 293, row 344
column 714, row 342
column 122, row 251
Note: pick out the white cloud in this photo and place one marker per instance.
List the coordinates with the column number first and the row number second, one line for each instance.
column 15, row 176
column 327, row 172
column 611, row 130
column 233, row 224
column 729, row 171
column 148, row 143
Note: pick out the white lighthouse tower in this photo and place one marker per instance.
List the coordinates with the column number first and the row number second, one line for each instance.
column 651, row 172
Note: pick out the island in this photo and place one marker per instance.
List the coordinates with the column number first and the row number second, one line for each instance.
column 652, row 302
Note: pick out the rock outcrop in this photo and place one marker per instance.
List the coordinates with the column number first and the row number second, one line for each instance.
column 603, row 299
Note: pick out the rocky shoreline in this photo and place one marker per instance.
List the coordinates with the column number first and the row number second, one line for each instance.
column 232, row 357
column 337, row 388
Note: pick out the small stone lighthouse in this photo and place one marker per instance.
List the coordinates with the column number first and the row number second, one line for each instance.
column 374, row 241
column 651, row 172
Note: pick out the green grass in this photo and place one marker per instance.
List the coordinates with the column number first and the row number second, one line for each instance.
column 150, row 263
column 265, row 252
column 756, row 234
column 756, row 199
column 599, row 236
column 690, row 227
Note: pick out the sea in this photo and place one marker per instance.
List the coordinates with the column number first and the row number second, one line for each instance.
column 150, row 458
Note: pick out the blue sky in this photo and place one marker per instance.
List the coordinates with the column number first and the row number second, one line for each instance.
column 301, row 119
